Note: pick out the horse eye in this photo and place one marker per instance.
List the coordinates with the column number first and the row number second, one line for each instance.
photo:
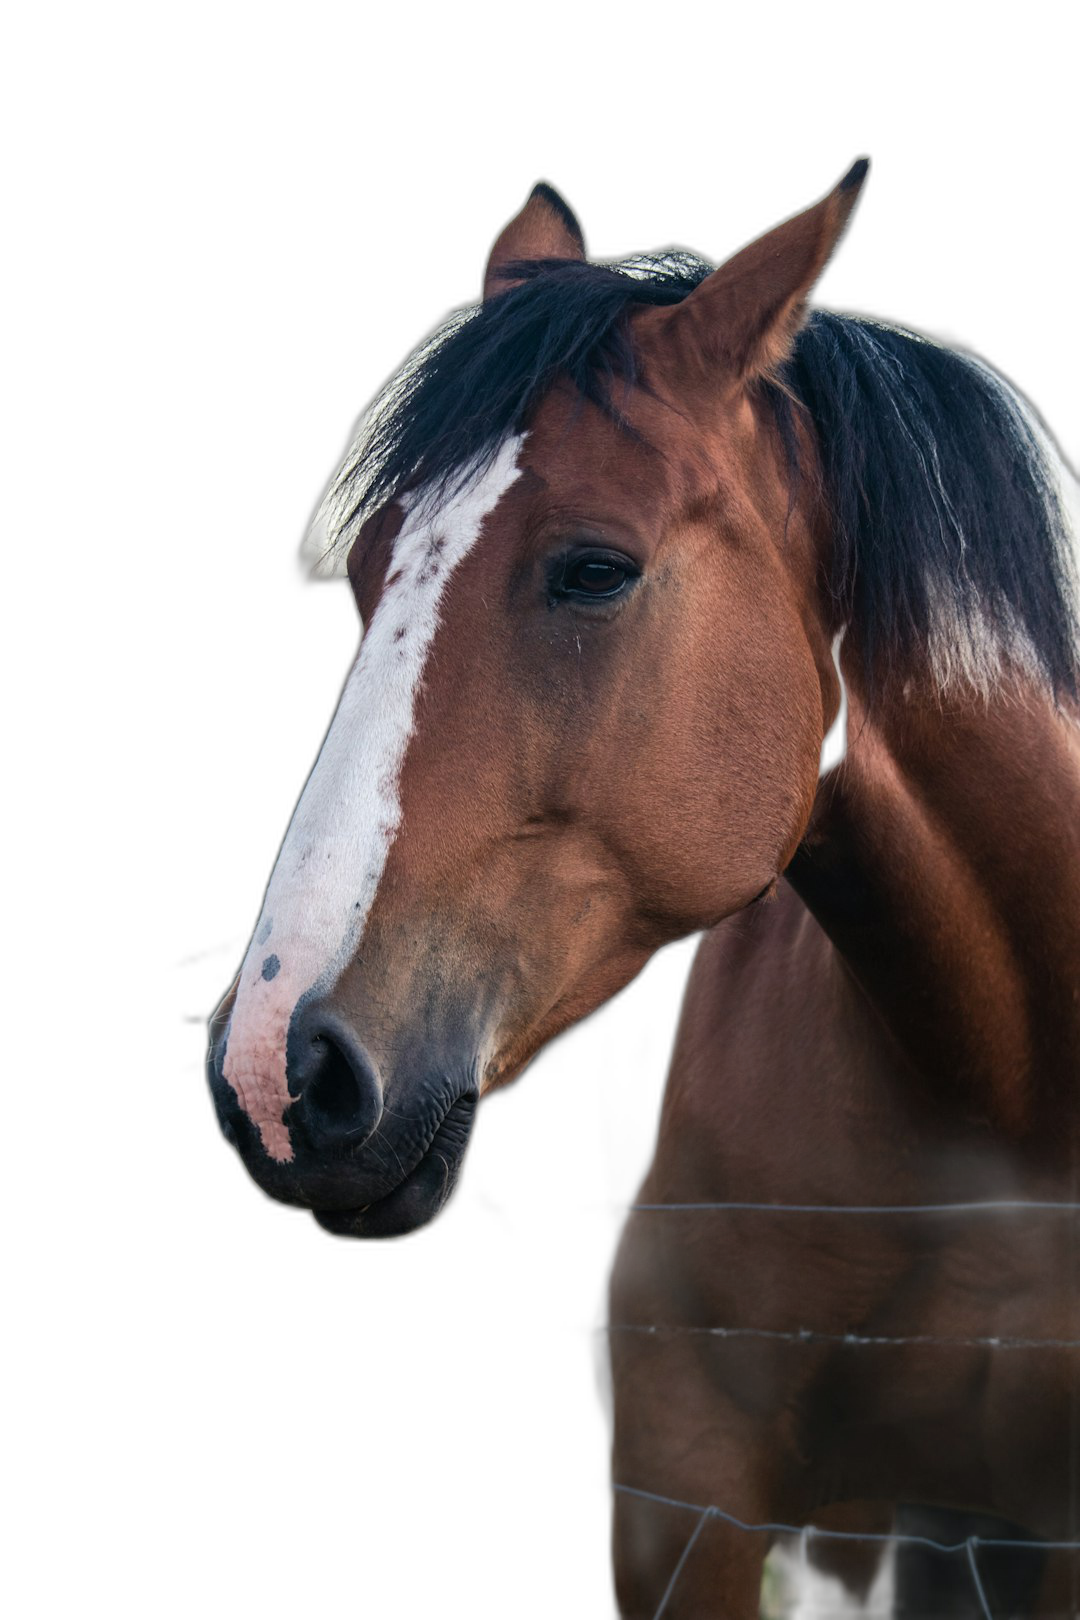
column 591, row 577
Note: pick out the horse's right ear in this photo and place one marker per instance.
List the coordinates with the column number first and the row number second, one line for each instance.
column 744, row 317
column 546, row 228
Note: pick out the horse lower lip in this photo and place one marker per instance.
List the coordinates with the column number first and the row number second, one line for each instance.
column 352, row 1223
column 419, row 1195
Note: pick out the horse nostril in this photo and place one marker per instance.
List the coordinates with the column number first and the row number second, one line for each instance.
column 335, row 1090
column 338, row 1093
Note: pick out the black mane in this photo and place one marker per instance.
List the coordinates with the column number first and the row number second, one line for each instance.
column 951, row 539
column 951, row 535
column 478, row 377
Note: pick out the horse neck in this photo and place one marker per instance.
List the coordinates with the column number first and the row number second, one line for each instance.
column 943, row 860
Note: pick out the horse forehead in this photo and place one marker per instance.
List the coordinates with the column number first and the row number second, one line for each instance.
column 638, row 462
column 408, row 549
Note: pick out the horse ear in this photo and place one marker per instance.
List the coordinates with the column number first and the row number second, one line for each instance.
column 746, row 314
column 546, row 228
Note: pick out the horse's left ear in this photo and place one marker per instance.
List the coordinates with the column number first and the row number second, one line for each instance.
column 546, row 228
column 744, row 316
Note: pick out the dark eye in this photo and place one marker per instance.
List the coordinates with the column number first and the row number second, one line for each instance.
column 593, row 576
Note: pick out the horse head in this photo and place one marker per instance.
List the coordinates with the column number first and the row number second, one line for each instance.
column 585, row 717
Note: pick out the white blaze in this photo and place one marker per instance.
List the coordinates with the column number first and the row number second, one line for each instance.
column 322, row 887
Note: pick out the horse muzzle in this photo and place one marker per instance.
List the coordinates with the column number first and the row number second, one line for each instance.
column 370, row 1155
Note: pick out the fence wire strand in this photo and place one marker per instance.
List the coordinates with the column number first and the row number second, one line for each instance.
column 980, row 1590
column 985, row 1206
column 804, row 1533
column 855, row 1340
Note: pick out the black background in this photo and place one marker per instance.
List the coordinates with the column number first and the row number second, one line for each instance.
column 420, row 1415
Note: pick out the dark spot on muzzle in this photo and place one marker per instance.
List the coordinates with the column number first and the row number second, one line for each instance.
column 271, row 967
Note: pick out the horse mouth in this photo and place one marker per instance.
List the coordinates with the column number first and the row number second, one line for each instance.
column 418, row 1196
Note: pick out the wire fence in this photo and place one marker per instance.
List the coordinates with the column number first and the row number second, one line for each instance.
column 806, row 1533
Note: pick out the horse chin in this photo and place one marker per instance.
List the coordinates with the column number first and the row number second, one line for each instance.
column 416, row 1201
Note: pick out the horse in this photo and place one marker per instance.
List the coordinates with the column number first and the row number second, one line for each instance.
column 628, row 543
